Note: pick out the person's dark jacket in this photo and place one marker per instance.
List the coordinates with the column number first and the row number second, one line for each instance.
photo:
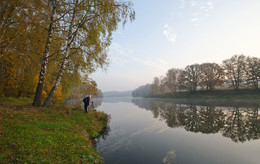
column 86, row 100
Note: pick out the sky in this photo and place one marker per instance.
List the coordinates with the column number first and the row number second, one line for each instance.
column 175, row 33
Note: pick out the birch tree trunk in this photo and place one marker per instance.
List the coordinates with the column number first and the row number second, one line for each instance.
column 38, row 93
column 70, row 39
column 97, row 18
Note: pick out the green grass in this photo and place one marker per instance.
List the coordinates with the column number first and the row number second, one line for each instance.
column 17, row 101
column 48, row 135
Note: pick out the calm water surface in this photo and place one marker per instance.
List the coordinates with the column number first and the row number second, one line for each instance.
column 182, row 132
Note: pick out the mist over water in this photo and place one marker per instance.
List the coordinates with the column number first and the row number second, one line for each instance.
column 180, row 131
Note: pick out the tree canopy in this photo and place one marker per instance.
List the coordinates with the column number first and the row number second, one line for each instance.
column 236, row 72
column 48, row 48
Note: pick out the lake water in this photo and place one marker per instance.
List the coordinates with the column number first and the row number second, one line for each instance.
column 180, row 131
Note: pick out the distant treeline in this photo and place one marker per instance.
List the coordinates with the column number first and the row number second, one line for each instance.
column 237, row 72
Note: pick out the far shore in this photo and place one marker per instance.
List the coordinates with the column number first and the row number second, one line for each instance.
column 240, row 97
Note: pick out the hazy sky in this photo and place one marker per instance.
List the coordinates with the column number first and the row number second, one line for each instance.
column 176, row 33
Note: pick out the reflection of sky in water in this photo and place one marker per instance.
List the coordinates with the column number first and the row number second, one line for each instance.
column 169, row 157
column 137, row 137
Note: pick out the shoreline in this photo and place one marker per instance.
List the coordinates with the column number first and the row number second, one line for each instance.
column 217, row 94
column 48, row 135
column 210, row 102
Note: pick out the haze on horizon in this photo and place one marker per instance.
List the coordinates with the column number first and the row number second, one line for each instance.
column 174, row 34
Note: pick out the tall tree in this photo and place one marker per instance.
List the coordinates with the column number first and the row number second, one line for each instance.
column 162, row 85
column 39, row 89
column 154, row 88
column 171, row 79
column 141, row 91
column 235, row 70
column 20, row 43
column 211, row 75
column 90, row 25
column 192, row 74
column 253, row 71
column 181, row 80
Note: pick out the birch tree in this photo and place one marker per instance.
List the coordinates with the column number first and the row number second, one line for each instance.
column 39, row 89
column 89, row 28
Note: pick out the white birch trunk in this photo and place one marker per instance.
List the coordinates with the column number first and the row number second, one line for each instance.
column 38, row 93
column 70, row 39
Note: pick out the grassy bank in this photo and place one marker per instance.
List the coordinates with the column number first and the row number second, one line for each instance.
column 217, row 94
column 48, row 135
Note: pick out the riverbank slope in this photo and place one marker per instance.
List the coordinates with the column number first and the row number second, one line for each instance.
column 48, row 135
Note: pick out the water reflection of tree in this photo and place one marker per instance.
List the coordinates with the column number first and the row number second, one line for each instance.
column 211, row 119
column 239, row 124
column 154, row 107
column 253, row 124
column 171, row 115
column 235, row 126
column 190, row 119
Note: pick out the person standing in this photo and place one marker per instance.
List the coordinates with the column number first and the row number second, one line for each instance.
column 86, row 103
